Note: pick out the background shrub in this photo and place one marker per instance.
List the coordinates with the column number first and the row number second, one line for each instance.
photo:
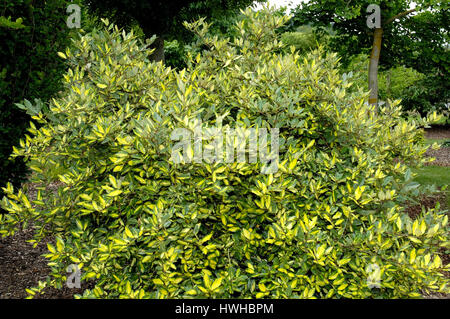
column 431, row 93
column 141, row 226
column 305, row 39
column 419, row 93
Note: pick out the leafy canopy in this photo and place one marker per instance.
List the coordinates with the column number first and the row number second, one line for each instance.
column 403, row 37
column 140, row 226
column 165, row 18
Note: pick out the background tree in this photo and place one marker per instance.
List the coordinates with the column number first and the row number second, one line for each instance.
column 396, row 39
column 305, row 39
column 164, row 18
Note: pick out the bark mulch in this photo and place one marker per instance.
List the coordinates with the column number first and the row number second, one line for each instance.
column 442, row 155
column 22, row 266
column 438, row 133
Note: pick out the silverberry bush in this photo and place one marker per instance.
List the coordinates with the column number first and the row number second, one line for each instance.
column 329, row 223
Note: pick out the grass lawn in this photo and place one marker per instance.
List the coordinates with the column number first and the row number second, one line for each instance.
column 439, row 141
column 437, row 175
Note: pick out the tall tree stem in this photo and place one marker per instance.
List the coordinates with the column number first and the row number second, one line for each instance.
column 373, row 66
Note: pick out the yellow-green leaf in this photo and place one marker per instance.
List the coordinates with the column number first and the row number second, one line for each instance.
column 115, row 193
column 216, row 284
column 62, row 55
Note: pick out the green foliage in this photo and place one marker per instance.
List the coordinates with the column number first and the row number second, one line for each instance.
column 141, row 226
column 175, row 54
column 305, row 39
column 418, row 40
column 8, row 23
column 165, row 18
column 356, row 72
column 427, row 51
column 401, row 37
column 429, row 94
column 28, row 69
column 394, row 82
column 419, row 93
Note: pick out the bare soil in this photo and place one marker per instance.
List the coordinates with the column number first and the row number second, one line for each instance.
column 22, row 266
column 438, row 133
column 442, row 155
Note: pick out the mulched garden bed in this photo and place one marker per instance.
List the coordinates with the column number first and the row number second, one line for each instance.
column 438, row 133
column 441, row 155
column 22, row 266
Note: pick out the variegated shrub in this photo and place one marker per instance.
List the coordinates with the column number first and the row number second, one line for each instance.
column 330, row 223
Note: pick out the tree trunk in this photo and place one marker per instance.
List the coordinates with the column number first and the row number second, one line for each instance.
column 373, row 67
column 158, row 54
column 375, row 58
